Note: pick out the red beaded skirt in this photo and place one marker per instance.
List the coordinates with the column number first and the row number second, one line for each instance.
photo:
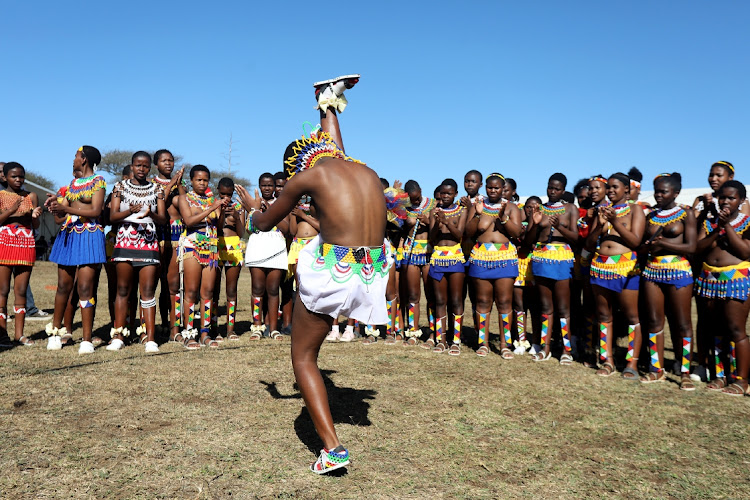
column 17, row 247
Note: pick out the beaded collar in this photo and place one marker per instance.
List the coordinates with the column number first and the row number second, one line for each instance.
column 550, row 209
column 739, row 224
column 139, row 194
column 491, row 209
column 85, row 187
column 198, row 201
column 622, row 210
column 666, row 217
column 454, row 210
column 425, row 205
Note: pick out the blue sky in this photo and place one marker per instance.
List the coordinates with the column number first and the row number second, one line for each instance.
column 523, row 88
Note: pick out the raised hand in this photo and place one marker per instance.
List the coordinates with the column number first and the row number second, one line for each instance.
column 248, row 201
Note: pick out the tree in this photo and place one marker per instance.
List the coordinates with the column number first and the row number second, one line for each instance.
column 114, row 160
column 41, row 180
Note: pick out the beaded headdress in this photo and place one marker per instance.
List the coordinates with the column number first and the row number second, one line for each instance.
column 598, row 178
column 725, row 164
column 308, row 151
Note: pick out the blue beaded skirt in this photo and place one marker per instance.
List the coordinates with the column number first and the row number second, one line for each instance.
column 79, row 242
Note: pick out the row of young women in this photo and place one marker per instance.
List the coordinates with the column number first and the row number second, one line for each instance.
column 612, row 255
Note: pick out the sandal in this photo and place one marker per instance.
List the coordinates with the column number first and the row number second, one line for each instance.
column 441, row 347
column 24, row 340
column 144, row 338
column 67, row 340
column 429, row 344
column 686, row 384
column 96, row 341
column 717, row 384
column 411, row 341
column 219, row 339
column 390, row 340
column 276, row 335
column 734, row 389
column 192, row 345
column 506, row 353
column 233, row 336
column 455, row 350
column 370, row 340
column 207, row 341
column 178, row 338
column 630, row 374
column 541, row 356
column 652, row 377
column 566, row 359
column 483, row 351
column 607, row 370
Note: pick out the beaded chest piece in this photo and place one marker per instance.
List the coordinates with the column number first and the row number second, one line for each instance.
column 666, row 217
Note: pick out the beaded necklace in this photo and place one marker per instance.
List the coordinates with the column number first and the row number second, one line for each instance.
column 622, row 210
column 557, row 208
column 454, row 210
column 133, row 193
column 196, row 200
column 85, row 187
column 491, row 209
column 739, row 224
column 666, row 217
column 425, row 205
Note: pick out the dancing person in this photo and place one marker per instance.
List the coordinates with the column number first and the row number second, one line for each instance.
column 203, row 217
column 725, row 285
column 344, row 271
column 266, row 256
column 169, row 234
column 231, row 254
column 614, row 273
column 667, row 284
column 553, row 229
column 137, row 206
column 447, row 225
column 493, row 264
column 19, row 216
column 415, row 263
column 79, row 247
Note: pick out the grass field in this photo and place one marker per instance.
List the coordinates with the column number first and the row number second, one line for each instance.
column 229, row 423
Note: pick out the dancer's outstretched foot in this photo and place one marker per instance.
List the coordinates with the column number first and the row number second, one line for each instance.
column 330, row 93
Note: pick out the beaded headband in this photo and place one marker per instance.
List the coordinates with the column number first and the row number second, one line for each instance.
column 725, row 164
column 635, row 184
column 495, row 174
column 598, row 178
column 662, row 175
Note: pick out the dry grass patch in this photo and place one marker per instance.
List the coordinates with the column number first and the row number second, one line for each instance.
column 230, row 423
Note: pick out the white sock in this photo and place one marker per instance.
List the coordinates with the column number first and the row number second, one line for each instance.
column 335, row 328
column 349, row 329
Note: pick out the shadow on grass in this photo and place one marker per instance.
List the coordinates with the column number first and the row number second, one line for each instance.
column 348, row 406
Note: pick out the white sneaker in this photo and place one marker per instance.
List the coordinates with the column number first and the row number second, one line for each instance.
column 86, row 348
column 348, row 336
column 152, row 346
column 54, row 343
column 334, row 336
column 115, row 345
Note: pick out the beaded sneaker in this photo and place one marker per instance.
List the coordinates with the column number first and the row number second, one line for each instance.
column 330, row 460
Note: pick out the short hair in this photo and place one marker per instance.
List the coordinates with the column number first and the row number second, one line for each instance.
column 559, row 177
column 91, row 154
column 226, row 182
column 534, row 198
column 449, row 182
column 385, row 183
column 140, row 154
column 568, row 197
column 126, row 170
column 411, row 186
column 475, row 172
column 199, row 168
column 725, row 165
column 674, row 180
column 279, row 176
column 266, row 175
column 582, row 183
column 157, row 155
column 622, row 178
column 11, row 165
column 512, row 183
column 635, row 174
column 735, row 185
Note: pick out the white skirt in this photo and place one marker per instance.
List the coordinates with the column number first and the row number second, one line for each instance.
column 267, row 250
column 323, row 291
